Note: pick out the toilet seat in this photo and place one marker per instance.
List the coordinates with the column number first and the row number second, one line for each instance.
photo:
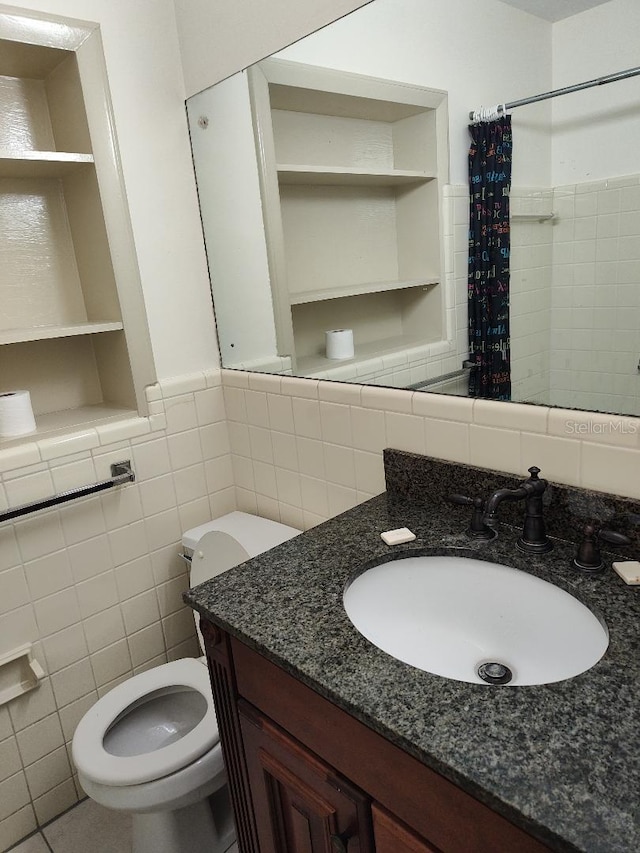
column 93, row 760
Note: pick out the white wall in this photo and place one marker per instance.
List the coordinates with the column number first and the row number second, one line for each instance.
column 145, row 76
column 596, row 131
column 480, row 51
column 221, row 37
column 230, row 201
column 444, row 44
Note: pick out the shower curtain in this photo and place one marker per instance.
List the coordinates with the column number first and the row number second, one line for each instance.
column 489, row 248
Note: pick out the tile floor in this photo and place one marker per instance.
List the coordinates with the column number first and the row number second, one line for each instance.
column 86, row 828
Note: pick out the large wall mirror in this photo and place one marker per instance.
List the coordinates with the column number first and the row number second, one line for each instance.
column 334, row 193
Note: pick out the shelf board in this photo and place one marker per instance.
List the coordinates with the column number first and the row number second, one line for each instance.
column 347, row 176
column 359, row 290
column 58, row 423
column 41, row 164
column 374, row 349
column 44, row 333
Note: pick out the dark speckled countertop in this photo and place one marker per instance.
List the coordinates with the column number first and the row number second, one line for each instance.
column 560, row 760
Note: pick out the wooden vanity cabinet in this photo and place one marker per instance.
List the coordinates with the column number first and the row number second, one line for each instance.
column 300, row 803
column 392, row 836
column 307, row 777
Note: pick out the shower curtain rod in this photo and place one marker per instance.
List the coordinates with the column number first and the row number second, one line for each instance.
column 499, row 109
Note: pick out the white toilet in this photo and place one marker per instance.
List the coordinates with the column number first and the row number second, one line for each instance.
column 151, row 746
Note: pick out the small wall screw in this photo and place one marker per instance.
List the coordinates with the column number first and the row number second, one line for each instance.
column 203, row 122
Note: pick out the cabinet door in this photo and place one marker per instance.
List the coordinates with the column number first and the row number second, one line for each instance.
column 392, row 836
column 301, row 805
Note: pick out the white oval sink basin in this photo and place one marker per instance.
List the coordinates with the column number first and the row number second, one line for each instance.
column 450, row 615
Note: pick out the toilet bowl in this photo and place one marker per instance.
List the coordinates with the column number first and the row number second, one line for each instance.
column 151, row 746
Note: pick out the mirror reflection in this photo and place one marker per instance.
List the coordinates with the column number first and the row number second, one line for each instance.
column 334, row 187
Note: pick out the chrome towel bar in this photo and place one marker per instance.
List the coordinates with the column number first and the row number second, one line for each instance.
column 121, row 473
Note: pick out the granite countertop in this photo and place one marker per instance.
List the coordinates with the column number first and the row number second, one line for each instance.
column 560, row 760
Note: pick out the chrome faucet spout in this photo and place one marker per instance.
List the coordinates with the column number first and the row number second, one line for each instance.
column 534, row 539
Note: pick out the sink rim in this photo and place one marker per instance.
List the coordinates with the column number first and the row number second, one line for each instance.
column 569, row 585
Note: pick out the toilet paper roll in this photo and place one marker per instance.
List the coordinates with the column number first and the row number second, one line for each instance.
column 16, row 414
column 339, row 343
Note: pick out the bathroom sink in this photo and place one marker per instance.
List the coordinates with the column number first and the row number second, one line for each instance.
column 452, row 616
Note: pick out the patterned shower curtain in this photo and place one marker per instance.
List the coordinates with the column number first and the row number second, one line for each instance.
column 489, row 247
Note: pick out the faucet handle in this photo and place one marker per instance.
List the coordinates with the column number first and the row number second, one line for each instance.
column 477, row 528
column 463, row 500
column 534, row 480
column 588, row 558
column 613, row 537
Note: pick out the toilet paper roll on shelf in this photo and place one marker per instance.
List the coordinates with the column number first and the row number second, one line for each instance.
column 339, row 343
column 16, row 414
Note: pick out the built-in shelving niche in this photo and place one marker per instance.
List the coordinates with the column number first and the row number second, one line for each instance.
column 351, row 172
column 62, row 326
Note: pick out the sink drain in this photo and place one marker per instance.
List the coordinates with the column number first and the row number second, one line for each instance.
column 495, row 673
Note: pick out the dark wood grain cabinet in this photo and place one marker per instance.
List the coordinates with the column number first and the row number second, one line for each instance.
column 392, row 836
column 307, row 777
column 301, row 804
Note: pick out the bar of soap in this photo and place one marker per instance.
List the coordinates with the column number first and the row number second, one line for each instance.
column 397, row 537
column 629, row 571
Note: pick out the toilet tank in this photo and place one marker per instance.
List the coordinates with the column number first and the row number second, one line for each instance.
column 225, row 542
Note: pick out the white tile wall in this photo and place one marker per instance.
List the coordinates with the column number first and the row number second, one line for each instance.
column 595, row 329
column 333, row 458
column 97, row 583
column 531, row 259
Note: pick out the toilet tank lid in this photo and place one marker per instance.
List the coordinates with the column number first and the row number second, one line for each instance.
column 253, row 533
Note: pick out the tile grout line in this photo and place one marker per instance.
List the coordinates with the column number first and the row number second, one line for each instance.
column 26, row 838
column 54, row 819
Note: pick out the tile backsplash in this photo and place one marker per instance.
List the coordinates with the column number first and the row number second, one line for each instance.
column 304, row 450
column 97, row 583
column 427, row 481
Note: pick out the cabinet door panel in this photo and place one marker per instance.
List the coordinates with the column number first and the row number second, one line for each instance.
column 301, row 804
column 392, row 836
